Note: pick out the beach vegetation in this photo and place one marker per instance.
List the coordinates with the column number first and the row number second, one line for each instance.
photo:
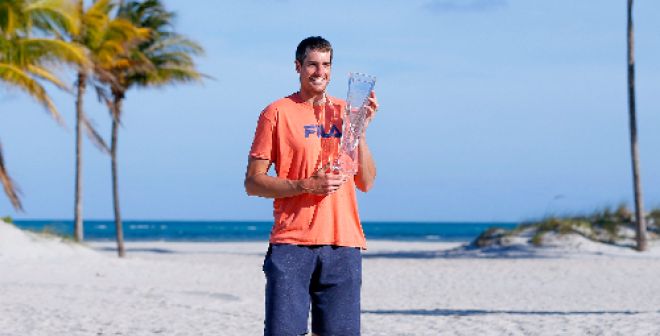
column 654, row 220
column 609, row 225
column 7, row 219
column 537, row 239
column 50, row 231
column 492, row 236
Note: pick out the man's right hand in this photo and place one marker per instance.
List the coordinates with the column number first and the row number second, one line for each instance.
column 322, row 182
column 259, row 183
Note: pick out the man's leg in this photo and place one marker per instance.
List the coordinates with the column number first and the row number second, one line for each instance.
column 335, row 292
column 288, row 270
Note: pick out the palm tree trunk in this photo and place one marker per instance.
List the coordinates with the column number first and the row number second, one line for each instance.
column 77, row 217
column 634, row 150
column 116, row 106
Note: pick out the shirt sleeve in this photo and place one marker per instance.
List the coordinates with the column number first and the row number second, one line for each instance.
column 264, row 144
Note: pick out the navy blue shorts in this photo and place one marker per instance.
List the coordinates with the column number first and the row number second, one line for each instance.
column 327, row 278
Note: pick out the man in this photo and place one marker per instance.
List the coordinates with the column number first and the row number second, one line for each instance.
column 314, row 255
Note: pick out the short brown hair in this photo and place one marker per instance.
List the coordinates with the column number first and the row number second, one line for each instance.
column 312, row 43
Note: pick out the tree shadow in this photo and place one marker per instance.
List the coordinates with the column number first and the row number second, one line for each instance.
column 139, row 249
column 476, row 312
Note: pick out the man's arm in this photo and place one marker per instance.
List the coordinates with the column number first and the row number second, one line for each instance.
column 259, row 183
column 366, row 175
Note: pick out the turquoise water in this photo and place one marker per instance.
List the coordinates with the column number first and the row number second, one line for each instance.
column 254, row 231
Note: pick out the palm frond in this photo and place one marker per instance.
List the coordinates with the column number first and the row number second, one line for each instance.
column 103, row 7
column 94, row 135
column 103, row 95
column 95, row 23
column 175, row 42
column 149, row 13
column 11, row 189
column 51, row 50
column 120, row 35
column 9, row 12
column 12, row 17
column 60, row 16
column 166, row 75
column 45, row 74
column 20, row 78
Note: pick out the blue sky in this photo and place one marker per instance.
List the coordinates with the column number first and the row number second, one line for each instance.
column 490, row 111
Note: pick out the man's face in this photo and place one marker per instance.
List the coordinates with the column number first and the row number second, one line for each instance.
column 314, row 71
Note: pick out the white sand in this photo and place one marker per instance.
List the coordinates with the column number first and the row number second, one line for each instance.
column 575, row 288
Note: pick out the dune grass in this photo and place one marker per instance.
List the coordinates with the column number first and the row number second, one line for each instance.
column 609, row 225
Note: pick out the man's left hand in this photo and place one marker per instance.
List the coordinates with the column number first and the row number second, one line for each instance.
column 372, row 108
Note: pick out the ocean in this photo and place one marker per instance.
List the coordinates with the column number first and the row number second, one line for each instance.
column 210, row 231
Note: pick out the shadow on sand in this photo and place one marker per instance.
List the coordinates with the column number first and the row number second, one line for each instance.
column 134, row 249
column 473, row 312
column 157, row 250
column 468, row 252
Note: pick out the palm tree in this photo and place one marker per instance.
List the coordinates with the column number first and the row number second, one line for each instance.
column 92, row 22
column 25, row 59
column 640, row 228
column 103, row 37
column 164, row 58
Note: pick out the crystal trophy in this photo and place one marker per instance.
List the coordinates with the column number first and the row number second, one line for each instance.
column 359, row 88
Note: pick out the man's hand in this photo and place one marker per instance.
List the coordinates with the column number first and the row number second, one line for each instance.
column 372, row 108
column 259, row 183
column 323, row 183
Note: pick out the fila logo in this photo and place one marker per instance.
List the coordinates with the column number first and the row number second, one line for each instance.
column 319, row 130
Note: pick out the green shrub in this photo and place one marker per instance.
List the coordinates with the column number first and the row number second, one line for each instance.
column 537, row 239
column 49, row 231
column 654, row 218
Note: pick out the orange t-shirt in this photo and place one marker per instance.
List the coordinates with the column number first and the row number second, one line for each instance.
column 299, row 139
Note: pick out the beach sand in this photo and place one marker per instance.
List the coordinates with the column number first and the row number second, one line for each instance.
column 50, row 287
